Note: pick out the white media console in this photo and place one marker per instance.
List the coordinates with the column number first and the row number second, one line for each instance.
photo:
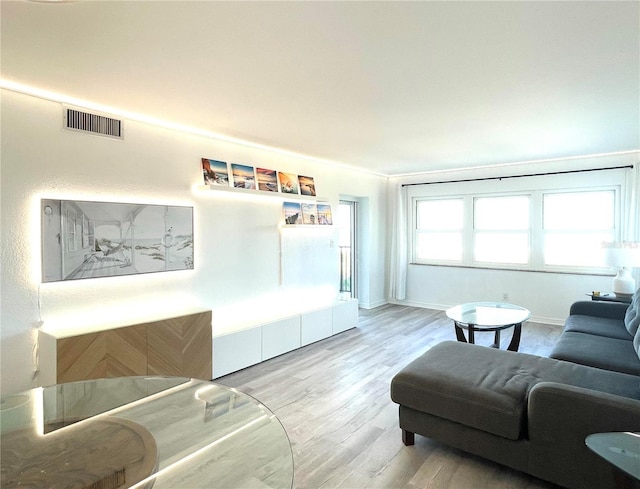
column 251, row 344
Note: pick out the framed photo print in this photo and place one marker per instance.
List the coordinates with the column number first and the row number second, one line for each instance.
column 309, row 214
column 243, row 176
column 292, row 213
column 215, row 172
column 324, row 214
column 267, row 180
column 288, row 183
column 307, row 186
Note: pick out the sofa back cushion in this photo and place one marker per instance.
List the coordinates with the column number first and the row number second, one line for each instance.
column 632, row 316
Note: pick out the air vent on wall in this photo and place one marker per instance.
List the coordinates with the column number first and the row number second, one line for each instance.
column 77, row 120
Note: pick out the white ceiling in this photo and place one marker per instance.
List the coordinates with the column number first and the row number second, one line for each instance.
column 391, row 87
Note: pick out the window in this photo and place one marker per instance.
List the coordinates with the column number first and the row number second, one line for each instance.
column 575, row 225
column 501, row 229
column 347, row 243
column 555, row 224
column 439, row 227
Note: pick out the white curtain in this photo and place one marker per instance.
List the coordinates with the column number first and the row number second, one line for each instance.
column 631, row 203
column 399, row 252
column 631, row 210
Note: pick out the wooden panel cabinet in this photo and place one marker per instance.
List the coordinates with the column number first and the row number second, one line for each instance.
column 179, row 346
column 116, row 353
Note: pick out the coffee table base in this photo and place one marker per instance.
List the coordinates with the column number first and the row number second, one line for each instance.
column 513, row 344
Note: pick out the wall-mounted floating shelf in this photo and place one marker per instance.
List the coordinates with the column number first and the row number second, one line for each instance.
column 305, row 226
column 262, row 193
column 285, row 198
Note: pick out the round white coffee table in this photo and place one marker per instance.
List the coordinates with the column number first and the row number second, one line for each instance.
column 488, row 316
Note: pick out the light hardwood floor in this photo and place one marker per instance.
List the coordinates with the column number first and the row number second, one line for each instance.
column 333, row 399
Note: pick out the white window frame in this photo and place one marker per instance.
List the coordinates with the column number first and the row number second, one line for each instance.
column 536, row 231
column 416, row 232
column 617, row 231
column 474, row 231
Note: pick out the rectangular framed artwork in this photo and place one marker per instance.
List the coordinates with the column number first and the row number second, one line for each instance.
column 267, row 180
column 288, row 183
column 215, row 172
column 86, row 239
column 324, row 214
column 309, row 214
column 243, row 176
column 307, row 185
column 292, row 213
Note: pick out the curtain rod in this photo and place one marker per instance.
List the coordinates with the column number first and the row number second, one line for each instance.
column 519, row 176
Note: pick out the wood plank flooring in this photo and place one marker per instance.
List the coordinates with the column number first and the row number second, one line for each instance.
column 333, row 399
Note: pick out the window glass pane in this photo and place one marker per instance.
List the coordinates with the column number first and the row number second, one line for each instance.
column 501, row 247
column 439, row 214
column 575, row 249
column 501, row 213
column 579, row 210
column 439, row 246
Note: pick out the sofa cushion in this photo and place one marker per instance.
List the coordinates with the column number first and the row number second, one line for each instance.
column 487, row 389
column 612, row 328
column 602, row 309
column 597, row 351
column 632, row 316
column 633, row 322
column 636, row 343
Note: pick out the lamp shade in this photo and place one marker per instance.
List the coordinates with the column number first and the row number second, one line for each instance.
column 623, row 255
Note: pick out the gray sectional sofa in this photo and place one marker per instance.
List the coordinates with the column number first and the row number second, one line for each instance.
column 601, row 334
column 528, row 412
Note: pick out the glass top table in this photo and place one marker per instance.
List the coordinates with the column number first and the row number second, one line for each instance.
column 488, row 316
column 621, row 449
column 141, row 432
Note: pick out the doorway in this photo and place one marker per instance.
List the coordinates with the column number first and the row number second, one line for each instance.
column 347, row 213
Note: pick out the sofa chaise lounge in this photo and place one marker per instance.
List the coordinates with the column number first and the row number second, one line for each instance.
column 528, row 412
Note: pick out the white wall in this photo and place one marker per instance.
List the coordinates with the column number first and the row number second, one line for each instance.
column 547, row 295
column 238, row 269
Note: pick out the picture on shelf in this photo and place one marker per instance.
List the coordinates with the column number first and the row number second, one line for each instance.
column 309, row 214
column 243, row 176
column 307, row 186
column 85, row 239
column 324, row 214
column 267, row 180
column 292, row 213
column 288, row 183
column 215, row 172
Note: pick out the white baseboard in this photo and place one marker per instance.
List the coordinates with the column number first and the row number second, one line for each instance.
column 372, row 305
column 544, row 320
column 423, row 305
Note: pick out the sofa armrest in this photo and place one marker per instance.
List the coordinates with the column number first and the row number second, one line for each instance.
column 560, row 411
column 560, row 417
column 610, row 310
